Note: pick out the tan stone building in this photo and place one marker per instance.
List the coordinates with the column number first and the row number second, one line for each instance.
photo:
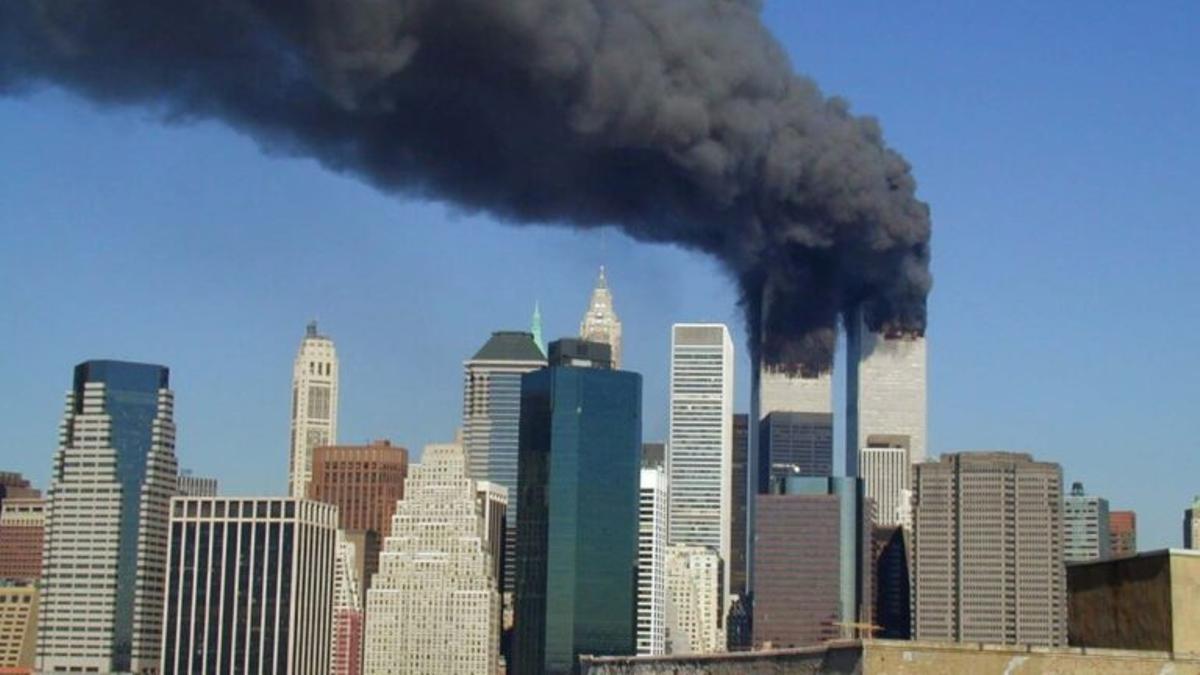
column 18, row 626
column 988, row 550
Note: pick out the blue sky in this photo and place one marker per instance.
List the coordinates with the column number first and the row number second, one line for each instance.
column 1055, row 142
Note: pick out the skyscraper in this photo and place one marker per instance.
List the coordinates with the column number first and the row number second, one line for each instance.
column 887, row 479
column 794, row 444
column 347, row 634
column 700, row 440
column 249, row 586
column 577, row 538
column 885, row 390
column 364, row 482
column 22, row 535
column 535, row 328
column 812, row 560
column 1191, row 525
column 1122, row 528
column 892, row 594
column 18, row 627
column 1085, row 527
column 737, row 505
column 314, row 405
column 492, row 418
column 694, row 612
column 600, row 322
column 106, row 532
column 434, row 607
column 190, row 485
column 988, row 550
column 651, row 578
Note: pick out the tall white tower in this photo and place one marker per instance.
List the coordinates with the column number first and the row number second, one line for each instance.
column 700, row 439
column 652, row 545
column 314, row 405
column 600, row 322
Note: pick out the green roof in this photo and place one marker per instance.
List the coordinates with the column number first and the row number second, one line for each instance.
column 505, row 345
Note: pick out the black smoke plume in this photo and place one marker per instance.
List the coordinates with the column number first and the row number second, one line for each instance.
column 679, row 121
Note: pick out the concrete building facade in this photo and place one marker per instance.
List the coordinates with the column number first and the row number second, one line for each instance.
column 1122, row 533
column 694, row 611
column 600, row 323
column 314, row 405
column 18, row 627
column 108, row 505
column 22, row 535
column 345, row 651
column 887, row 480
column 1191, row 525
column 250, row 586
column 191, row 485
column 988, row 550
column 1085, row 527
column 434, row 607
column 651, row 577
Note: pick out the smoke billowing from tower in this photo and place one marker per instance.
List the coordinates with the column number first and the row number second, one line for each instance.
column 679, row 121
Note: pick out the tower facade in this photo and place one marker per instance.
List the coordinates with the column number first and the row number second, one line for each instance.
column 738, row 486
column 22, row 535
column 492, row 419
column 1122, row 528
column 345, row 651
column 191, row 485
column 1085, row 527
column 249, row 586
column 1191, row 525
column 887, row 479
column 652, row 544
column 694, row 612
column 434, row 607
column 988, row 550
column 314, row 405
column 700, row 441
column 600, row 322
column 106, row 534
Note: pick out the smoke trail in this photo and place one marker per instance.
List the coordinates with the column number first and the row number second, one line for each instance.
column 679, row 121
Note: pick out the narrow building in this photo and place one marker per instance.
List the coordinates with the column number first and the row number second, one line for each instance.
column 314, row 405
column 651, row 571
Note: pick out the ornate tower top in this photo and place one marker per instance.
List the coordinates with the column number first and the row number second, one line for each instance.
column 600, row 322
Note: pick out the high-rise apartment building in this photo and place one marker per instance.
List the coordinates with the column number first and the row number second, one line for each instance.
column 314, row 405
column 577, row 538
column 794, row 444
column 813, row 570
column 191, row 485
column 887, row 480
column 988, row 550
column 364, row 482
column 651, row 576
column 434, row 607
column 738, row 489
column 1122, row 530
column 885, row 390
column 22, row 529
column 1085, row 527
column 18, row 627
column 492, row 419
column 700, row 440
column 694, row 612
column 249, row 586
column 345, row 651
column 106, row 530
column 600, row 323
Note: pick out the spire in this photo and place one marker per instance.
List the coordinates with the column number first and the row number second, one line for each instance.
column 601, row 283
column 311, row 331
column 536, row 328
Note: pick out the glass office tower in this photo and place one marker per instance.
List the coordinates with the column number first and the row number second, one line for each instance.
column 577, row 532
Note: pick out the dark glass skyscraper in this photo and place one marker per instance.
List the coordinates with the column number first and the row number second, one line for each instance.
column 794, row 444
column 580, row 447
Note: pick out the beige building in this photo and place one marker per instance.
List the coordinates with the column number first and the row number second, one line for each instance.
column 988, row 550
column 434, row 606
column 600, row 322
column 18, row 626
column 314, row 405
column 694, row 600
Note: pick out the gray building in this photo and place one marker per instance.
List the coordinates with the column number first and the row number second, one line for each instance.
column 1191, row 525
column 794, row 444
column 191, row 485
column 988, row 550
column 1085, row 527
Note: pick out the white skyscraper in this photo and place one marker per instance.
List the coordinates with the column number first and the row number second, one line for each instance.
column 600, row 322
column 694, row 607
column 652, row 544
column 885, row 392
column 106, row 529
column 887, row 480
column 314, row 405
column 433, row 607
column 700, row 438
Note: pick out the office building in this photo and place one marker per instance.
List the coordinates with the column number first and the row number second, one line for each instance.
column 314, row 405
column 434, row 607
column 22, row 529
column 600, row 323
column 651, row 572
column 492, row 417
column 813, row 568
column 493, row 505
column 887, row 480
column 106, row 528
column 14, row 485
column 249, row 586
column 577, row 538
column 345, row 651
column 1122, row 531
column 738, row 487
column 988, row 550
column 700, row 440
column 1085, row 527
column 364, row 482
column 18, row 627
column 535, row 329
column 885, row 390
column 191, row 485
column 654, row 455
column 1191, row 525
column 694, row 612
column 794, row 444
column 892, row 594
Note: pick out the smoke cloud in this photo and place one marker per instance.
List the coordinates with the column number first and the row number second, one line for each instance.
column 679, row 121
